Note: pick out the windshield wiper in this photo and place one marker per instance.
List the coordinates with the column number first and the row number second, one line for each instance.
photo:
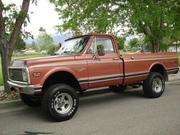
column 68, row 52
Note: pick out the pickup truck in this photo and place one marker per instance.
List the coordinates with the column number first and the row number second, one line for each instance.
column 85, row 62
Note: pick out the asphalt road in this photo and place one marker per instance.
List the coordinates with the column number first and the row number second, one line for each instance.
column 103, row 114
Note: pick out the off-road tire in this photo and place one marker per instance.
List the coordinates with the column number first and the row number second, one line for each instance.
column 154, row 85
column 52, row 104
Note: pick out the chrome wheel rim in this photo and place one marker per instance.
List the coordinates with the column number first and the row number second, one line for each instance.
column 157, row 85
column 63, row 103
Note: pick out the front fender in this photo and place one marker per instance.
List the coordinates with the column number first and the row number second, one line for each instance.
column 57, row 69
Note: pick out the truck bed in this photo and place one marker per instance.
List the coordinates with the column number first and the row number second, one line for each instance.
column 137, row 66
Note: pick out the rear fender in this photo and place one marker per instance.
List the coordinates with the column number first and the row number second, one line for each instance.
column 159, row 63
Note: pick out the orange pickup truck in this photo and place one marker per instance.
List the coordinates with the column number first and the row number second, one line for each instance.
column 84, row 62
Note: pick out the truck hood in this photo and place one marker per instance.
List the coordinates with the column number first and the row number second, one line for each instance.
column 41, row 60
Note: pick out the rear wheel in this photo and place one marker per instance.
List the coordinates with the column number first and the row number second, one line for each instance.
column 118, row 88
column 60, row 102
column 31, row 101
column 154, row 85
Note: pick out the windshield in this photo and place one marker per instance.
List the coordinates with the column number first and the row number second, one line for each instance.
column 73, row 46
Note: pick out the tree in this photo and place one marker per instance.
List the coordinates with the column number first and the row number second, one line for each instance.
column 20, row 44
column 120, row 42
column 44, row 40
column 158, row 20
column 11, row 22
column 134, row 43
column 33, row 45
column 51, row 49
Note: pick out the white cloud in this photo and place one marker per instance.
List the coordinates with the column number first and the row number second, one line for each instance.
column 43, row 15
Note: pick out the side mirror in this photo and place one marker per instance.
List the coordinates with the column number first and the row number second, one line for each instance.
column 100, row 50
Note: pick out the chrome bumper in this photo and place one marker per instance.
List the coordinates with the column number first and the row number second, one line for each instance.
column 25, row 88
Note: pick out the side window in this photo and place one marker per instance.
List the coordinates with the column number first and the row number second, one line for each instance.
column 93, row 48
column 105, row 42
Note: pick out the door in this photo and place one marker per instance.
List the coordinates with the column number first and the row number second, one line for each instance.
column 104, row 68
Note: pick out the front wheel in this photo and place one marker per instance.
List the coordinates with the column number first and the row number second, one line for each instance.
column 154, row 85
column 60, row 102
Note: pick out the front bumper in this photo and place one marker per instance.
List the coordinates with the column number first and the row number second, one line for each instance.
column 25, row 88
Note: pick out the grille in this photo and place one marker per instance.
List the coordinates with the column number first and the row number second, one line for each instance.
column 16, row 74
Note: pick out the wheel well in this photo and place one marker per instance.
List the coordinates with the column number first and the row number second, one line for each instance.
column 61, row 77
column 160, row 69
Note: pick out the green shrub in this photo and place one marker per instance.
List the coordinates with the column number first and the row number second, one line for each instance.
column 51, row 49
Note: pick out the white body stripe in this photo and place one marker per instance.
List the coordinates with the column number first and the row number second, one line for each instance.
column 150, row 59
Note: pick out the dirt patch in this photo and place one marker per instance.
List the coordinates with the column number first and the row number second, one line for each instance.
column 12, row 95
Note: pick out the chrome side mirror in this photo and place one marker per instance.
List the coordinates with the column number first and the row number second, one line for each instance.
column 100, row 50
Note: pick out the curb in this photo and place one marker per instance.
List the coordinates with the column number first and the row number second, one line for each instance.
column 174, row 81
column 10, row 104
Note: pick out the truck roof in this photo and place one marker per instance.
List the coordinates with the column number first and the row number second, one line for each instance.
column 90, row 34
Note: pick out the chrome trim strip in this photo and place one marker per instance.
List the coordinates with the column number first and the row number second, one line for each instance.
column 172, row 68
column 149, row 59
column 101, row 77
column 38, row 90
column 16, row 67
column 26, row 89
column 22, row 85
column 111, row 77
column 134, row 74
column 117, row 78
column 19, row 82
column 100, row 80
column 28, row 75
column 140, row 75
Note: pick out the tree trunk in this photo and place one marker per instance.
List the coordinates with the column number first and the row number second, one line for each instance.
column 7, row 45
column 5, row 61
column 155, row 46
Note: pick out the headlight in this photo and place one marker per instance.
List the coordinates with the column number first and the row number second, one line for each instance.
column 24, row 75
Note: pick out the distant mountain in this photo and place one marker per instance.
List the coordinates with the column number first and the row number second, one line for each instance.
column 56, row 38
column 28, row 41
column 60, row 38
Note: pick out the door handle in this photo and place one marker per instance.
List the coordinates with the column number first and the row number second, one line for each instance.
column 115, row 58
column 132, row 57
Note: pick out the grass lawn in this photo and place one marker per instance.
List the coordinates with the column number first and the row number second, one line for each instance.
column 22, row 56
